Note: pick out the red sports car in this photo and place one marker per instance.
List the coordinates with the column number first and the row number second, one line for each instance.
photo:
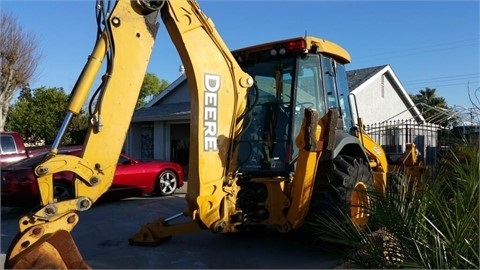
column 132, row 177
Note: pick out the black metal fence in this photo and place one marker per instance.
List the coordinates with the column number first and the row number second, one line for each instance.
column 394, row 135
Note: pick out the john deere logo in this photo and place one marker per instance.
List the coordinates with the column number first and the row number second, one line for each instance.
column 210, row 112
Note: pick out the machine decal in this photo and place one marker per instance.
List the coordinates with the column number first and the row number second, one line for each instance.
column 212, row 85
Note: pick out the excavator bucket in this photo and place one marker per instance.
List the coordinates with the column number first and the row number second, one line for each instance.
column 54, row 251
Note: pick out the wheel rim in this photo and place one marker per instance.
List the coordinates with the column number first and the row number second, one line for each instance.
column 359, row 205
column 168, row 182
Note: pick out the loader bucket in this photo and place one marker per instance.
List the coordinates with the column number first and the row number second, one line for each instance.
column 54, row 251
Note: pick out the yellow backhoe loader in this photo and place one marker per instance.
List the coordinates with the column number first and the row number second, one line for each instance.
column 272, row 138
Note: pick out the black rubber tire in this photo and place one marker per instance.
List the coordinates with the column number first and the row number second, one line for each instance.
column 62, row 191
column 400, row 188
column 341, row 188
column 167, row 183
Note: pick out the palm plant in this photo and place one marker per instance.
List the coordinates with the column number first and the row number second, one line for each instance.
column 415, row 225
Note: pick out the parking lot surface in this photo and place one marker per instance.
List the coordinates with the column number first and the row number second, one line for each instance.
column 103, row 231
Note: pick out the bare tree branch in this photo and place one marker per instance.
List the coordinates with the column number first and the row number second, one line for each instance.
column 18, row 61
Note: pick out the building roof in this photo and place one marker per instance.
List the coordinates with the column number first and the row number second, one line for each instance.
column 173, row 111
column 356, row 78
column 166, row 91
column 359, row 79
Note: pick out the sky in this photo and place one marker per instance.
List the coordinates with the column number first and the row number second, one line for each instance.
column 431, row 44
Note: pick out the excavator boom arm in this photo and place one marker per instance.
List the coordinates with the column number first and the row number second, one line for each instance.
column 218, row 90
column 126, row 43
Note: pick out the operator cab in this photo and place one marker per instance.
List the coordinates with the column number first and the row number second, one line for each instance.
column 290, row 76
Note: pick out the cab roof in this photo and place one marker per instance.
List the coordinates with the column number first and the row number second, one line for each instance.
column 315, row 44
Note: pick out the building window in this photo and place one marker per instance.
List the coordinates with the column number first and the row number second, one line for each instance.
column 147, row 141
column 382, row 87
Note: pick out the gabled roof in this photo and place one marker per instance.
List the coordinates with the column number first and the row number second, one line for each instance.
column 154, row 110
column 166, row 91
column 359, row 79
column 358, row 76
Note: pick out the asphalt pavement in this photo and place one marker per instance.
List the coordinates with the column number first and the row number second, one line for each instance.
column 102, row 233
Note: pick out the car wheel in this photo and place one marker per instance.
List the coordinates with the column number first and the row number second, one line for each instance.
column 167, row 183
column 62, row 191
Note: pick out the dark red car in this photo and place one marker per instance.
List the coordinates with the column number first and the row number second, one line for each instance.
column 132, row 177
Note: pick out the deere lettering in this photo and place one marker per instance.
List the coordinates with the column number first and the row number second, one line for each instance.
column 210, row 112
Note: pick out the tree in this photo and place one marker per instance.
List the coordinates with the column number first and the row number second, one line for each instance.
column 434, row 108
column 77, row 130
column 429, row 97
column 18, row 61
column 38, row 117
column 151, row 86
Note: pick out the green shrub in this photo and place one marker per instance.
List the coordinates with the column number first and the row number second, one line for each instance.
column 433, row 225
